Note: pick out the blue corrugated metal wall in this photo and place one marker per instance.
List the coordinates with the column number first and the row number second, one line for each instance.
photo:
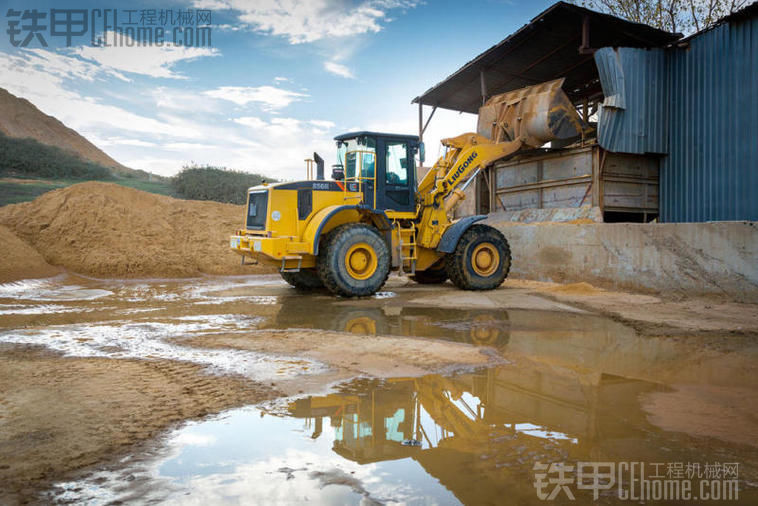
column 711, row 172
column 633, row 116
column 700, row 106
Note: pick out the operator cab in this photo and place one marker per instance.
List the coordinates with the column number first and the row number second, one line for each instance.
column 384, row 166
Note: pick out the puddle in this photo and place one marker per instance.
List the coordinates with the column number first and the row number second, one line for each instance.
column 576, row 387
column 465, row 439
column 49, row 290
column 149, row 340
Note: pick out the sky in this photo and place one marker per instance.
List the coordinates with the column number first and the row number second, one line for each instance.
column 279, row 79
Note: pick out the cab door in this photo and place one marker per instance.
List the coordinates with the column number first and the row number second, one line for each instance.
column 395, row 181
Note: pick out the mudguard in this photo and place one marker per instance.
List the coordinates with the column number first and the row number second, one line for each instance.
column 319, row 221
column 454, row 232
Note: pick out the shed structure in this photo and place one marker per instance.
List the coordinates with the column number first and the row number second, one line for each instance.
column 679, row 115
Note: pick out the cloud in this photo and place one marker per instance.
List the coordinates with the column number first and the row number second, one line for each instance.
column 250, row 121
column 322, row 124
column 338, row 69
column 148, row 60
column 120, row 141
column 38, row 76
column 58, row 65
column 270, row 96
column 302, row 21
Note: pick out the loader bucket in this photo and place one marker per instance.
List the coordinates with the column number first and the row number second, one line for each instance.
column 535, row 114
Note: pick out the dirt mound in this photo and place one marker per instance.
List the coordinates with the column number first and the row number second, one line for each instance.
column 20, row 118
column 107, row 230
column 575, row 289
column 21, row 261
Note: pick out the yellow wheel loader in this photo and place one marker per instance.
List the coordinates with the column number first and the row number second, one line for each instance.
column 348, row 233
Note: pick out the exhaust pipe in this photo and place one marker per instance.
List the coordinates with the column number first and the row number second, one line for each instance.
column 319, row 167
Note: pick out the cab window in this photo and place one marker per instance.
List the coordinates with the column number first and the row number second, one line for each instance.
column 397, row 163
column 350, row 164
column 367, row 166
column 359, row 157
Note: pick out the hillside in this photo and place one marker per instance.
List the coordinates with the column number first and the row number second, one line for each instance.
column 21, row 119
column 107, row 230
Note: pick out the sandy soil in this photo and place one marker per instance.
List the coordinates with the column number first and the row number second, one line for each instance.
column 59, row 415
column 21, row 261
column 652, row 315
column 110, row 231
column 707, row 411
column 351, row 356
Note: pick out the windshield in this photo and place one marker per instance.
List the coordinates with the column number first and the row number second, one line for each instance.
column 357, row 158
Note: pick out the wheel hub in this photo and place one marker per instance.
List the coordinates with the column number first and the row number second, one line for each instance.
column 361, row 261
column 485, row 259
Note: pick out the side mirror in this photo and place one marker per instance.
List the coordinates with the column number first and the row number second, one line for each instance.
column 421, row 153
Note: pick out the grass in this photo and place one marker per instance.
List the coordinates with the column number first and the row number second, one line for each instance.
column 16, row 190
column 159, row 187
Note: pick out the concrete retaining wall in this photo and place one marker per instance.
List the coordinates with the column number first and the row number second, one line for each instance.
column 693, row 258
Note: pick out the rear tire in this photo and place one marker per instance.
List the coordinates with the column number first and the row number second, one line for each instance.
column 354, row 261
column 481, row 260
column 305, row 279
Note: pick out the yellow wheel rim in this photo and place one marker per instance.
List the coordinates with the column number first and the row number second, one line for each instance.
column 485, row 259
column 361, row 261
column 484, row 331
column 363, row 325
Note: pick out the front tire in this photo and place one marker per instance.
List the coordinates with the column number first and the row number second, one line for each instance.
column 305, row 279
column 355, row 260
column 481, row 260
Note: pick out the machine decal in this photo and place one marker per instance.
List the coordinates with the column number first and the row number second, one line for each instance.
column 276, row 216
column 463, row 167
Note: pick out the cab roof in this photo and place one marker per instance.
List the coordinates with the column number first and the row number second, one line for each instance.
column 353, row 135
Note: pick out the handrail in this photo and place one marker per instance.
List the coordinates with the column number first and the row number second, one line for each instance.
column 358, row 177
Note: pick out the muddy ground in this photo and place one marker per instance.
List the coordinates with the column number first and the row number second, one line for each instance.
column 96, row 371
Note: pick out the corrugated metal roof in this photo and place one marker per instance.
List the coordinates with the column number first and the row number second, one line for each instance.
column 711, row 172
column 545, row 49
column 633, row 116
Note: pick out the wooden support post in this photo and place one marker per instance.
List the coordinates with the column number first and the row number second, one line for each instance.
column 431, row 114
column 483, row 85
column 585, row 47
column 420, row 122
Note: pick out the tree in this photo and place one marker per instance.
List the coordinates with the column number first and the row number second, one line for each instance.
column 685, row 16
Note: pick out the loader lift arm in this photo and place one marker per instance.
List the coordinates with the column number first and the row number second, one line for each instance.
column 524, row 118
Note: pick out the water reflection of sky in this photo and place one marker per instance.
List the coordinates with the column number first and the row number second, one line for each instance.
column 246, row 457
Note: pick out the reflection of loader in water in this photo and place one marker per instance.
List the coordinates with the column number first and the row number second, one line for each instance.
column 481, row 433
column 479, row 327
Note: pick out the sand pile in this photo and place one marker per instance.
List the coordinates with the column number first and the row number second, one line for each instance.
column 575, row 289
column 21, row 261
column 106, row 230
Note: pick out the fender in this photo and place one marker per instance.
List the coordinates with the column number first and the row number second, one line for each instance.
column 454, row 232
column 321, row 219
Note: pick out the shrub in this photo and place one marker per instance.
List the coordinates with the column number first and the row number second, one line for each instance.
column 215, row 183
column 30, row 158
